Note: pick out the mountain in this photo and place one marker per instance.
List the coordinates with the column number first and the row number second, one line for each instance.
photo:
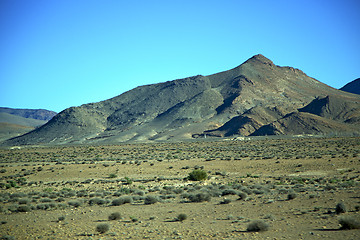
column 18, row 120
column 255, row 98
column 15, row 122
column 38, row 114
column 352, row 87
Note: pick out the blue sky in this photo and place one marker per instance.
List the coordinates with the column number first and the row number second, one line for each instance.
column 58, row 54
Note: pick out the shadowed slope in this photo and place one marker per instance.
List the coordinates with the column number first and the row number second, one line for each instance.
column 352, row 87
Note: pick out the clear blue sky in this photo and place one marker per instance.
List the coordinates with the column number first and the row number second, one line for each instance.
column 58, row 54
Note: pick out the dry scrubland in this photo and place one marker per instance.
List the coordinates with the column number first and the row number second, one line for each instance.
column 260, row 189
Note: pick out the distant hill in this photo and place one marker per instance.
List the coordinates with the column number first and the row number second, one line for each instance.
column 255, row 98
column 352, row 87
column 18, row 120
column 8, row 130
column 39, row 114
column 15, row 122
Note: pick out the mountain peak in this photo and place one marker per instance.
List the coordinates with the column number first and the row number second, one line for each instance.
column 260, row 58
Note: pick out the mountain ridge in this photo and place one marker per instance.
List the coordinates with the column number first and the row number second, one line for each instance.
column 252, row 95
column 352, row 87
column 38, row 114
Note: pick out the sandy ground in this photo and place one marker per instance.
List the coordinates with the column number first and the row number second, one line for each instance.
column 322, row 172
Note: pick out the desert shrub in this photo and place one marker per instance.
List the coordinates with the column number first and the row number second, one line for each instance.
column 53, row 195
column 122, row 200
column 61, row 205
column 140, row 193
column 112, row 175
column 349, row 222
column 151, row 199
column 225, row 201
column 60, row 199
column 178, row 190
column 181, row 217
column 228, row 192
column 257, row 226
column 7, row 237
column 128, row 181
column 114, row 216
column 61, row 218
column 340, row 208
column 117, row 194
column 82, row 193
column 75, row 203
column 291, row 196
column 24, row 208
column 246, row 190
column 199, row 197
column 24, row 201
column 197, row 175
column 68, row 194
column 97, row 201
column 13, row 207
column 242, row 195
column 138, row 198
column 42, row 206
column 18, row 195
column 102, row 227
column 134, row 219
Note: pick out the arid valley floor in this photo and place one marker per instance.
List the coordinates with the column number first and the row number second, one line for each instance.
column 292, row 184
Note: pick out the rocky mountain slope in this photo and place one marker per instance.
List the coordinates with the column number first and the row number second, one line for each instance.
column 255, row 98
column 352, row 87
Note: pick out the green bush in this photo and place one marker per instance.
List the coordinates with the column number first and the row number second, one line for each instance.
column 24, row 201
column 128, row 181
column 257, row 226
column 115, row 216
column 199, row 197
column 225, row 201
column 112, row 175
column 348, row 222
column 122, row 200
column 340, row 208
column 75, row 203
column 181, row 217
column 102, row 227
column 134, row 219
column 151, row 200
column 98, row 201
column 242, row 195
column 24, row 208
column 229, row 192
column 197, row 175
column 291, row 196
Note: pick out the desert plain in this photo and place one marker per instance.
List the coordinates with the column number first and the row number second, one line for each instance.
column 293, row 185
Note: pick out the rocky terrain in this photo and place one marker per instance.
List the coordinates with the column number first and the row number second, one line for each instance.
column 257, row 188
column 255, row 98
